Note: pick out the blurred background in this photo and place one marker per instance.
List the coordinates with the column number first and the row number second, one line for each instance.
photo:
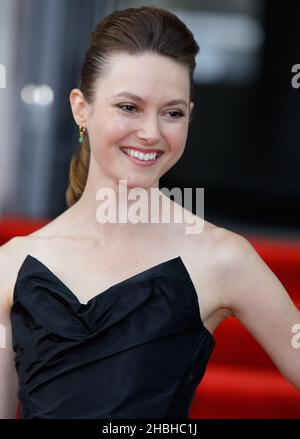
column 243, row 145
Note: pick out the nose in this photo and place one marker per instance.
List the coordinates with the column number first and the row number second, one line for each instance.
column 149, row 130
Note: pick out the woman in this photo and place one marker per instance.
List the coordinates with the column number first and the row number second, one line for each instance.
column 115, row 319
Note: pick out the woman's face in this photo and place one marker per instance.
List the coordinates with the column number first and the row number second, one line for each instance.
column 117, row 119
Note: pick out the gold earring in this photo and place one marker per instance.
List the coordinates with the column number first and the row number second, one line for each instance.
column 82, row 130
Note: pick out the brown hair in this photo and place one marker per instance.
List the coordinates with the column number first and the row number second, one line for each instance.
column 131, row 30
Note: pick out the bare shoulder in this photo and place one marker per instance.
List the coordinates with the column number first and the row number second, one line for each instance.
column 12, row 255
column 232, row 250
column 14, row 252
column 229, row 246
column 211, row 259
column 207, row 255
column 222, row 244
column 228, row 250
column 242, row 273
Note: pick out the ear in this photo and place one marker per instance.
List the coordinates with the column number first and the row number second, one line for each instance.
column 79, row 106
column 191, row 110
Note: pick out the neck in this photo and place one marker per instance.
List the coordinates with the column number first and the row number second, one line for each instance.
column 113, row 209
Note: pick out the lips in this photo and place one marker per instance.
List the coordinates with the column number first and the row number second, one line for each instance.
column 143, row 150
column 137, row 161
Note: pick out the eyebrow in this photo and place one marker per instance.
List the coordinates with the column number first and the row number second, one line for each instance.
column 138, row 98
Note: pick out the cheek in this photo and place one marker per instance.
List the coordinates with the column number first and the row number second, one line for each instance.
column 116, row 130
column 107, row 138
column 107, row 123
column 176, row 137
column 108, row 135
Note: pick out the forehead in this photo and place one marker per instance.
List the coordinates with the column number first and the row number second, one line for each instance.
column 146, row 75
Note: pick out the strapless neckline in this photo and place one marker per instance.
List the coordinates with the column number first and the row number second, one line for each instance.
column 138, row 349
column 144, row 275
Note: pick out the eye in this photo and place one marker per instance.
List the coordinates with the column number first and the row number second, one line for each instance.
column 126, row 105
column 179, row 114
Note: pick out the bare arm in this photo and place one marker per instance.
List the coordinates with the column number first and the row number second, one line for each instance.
column 8, row 374
column 258, row 299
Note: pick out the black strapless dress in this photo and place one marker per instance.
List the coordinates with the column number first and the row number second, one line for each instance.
column 136, row 350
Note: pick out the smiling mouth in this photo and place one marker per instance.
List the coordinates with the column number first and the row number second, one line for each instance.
column 149, row 157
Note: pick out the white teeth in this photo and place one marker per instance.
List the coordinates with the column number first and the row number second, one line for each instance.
column 141, row 155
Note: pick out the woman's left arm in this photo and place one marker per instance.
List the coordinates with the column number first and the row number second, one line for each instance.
column 254, row 295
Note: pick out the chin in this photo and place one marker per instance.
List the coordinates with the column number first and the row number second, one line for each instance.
column 133, row 183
